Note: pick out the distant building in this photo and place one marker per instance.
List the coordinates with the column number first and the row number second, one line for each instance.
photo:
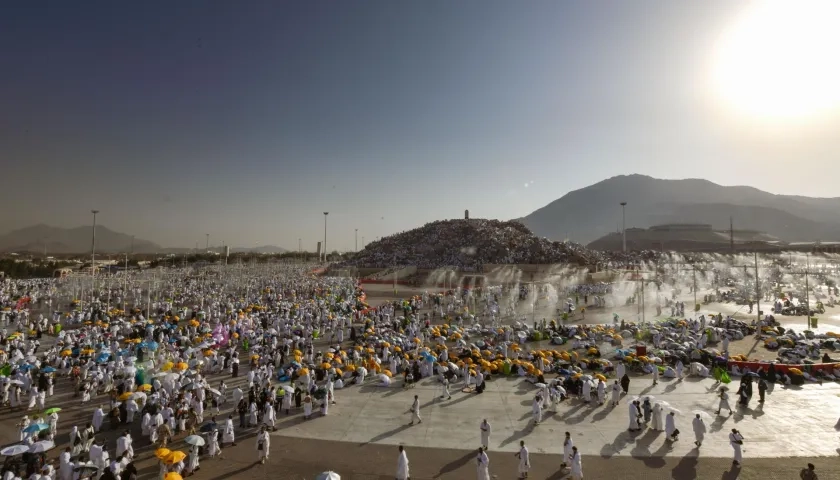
column 466, row 214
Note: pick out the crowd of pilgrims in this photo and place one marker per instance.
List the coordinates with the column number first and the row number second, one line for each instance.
column 167, row 370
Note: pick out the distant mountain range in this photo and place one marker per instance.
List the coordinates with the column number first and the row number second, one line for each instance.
column 589, row 213
column 78, row 240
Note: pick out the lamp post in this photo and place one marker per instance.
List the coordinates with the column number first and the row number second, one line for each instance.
column 93, row 257
column 623, row 227
column 357, row 240
column 325, row 236
column 206, row 242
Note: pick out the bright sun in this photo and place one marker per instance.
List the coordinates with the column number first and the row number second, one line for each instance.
column 780, row 60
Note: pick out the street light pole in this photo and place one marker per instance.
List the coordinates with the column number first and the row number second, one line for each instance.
column 623, row 228
column 357, row 240
column 206, row 242
column 93, row 257
column 325, row 236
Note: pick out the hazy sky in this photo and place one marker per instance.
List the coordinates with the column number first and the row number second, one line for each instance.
column 248, row 119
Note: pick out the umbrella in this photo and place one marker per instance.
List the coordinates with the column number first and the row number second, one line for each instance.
column 214, row 391
column 288, row 388
column 162, row 453
column 173, row 476
column 125, row 396
column 52, row 410
column 194, row 440
column 208, row 427
column 14, row 450
column 42, row 446
column 138, row 395
column 48, row 370
column 175, row 457
column 36, row 427
column 328, row 476
column 87, row 468
column 703, row 415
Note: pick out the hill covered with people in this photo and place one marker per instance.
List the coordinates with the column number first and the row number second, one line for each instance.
column 467, row 245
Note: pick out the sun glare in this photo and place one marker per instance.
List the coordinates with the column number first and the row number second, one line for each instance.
column 780, row 59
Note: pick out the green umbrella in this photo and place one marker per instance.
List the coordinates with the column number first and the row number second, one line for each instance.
column 50, row 411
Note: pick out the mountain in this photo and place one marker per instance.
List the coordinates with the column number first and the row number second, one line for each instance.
column 592, row 212
column 268, row 249
column 72, row 240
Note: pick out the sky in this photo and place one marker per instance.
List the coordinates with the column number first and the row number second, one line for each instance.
column 248, row 120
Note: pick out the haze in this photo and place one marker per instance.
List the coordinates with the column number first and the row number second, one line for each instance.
column 248, row 120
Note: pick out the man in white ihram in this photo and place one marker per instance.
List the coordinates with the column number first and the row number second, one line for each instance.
column 415, row 411
column 402, row 465
column 736, row 440
column 485, row 434
column 699, row 430
column 524, row 460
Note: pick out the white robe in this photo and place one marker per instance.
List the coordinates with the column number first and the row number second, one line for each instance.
column 577, row 467
column 699, row 429
column 657, row 417
column 266, row 439
column 402, row 466
column 483, row 466
column 524, row 460
column 633, row 415
column 485, row 434
column 567, row 451
column 229, row 436
column 733, row 438
column 98, row 417
column 724, row 402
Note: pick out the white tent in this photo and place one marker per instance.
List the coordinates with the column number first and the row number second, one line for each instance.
column 328, row 476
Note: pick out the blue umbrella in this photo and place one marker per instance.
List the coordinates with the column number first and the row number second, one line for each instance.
column 152, row 346
column 36, row 427
column 48, row 370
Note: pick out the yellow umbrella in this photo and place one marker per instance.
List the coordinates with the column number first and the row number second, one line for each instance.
column 167, row 367
column 175, row 457
column 601, row 377
column 181, row 366
column 303, row 371
column 326, row 365
column 339, row 372
column 66, row 353
column 125, row 396
column 387, row 373
column 162, row 453
column 144, row 388
column 173, row 476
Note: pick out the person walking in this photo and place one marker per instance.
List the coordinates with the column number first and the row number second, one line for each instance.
column 485, row 434
column 263, row 444
column 415, row 411
column 577, row 466
column 568, row 448
column 524, row 460
column 737, row 441
column 762, row 390
column 482, row 464
column 724, row 401
column 402, row 465
column 699, row 430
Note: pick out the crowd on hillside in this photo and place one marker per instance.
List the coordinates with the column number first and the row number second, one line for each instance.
column 467, row 245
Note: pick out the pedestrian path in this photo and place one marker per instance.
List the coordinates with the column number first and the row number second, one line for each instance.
column 801, row 420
